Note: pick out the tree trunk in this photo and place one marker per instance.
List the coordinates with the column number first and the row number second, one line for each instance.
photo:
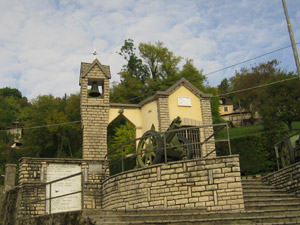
column 289, row 123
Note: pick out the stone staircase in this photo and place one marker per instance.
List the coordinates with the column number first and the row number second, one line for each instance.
column 264, row 204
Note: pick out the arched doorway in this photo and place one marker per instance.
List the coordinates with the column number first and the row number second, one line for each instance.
column 120, row 131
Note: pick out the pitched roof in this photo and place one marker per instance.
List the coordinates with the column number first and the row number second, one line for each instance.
column 182, row 82
column 87, row 67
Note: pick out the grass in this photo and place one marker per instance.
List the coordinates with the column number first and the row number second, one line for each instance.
column 249, row 130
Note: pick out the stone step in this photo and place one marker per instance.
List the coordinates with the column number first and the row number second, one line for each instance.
column 147, row 217
column 270, row 206
column 274, row 219
column 259, row 187
column 92, row 212
column 270, row 198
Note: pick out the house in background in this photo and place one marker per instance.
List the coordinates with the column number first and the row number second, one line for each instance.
column 235, row 116
column 17, row 131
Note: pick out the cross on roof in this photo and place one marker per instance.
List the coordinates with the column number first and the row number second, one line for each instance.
column 94, row 53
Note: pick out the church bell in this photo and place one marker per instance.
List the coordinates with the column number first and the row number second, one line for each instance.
column 94, row 90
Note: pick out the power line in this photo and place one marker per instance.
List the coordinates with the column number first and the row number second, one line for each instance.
column 268, row 53
column 50, row 125
column 259, row 86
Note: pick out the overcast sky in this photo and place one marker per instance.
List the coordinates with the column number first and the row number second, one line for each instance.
column 43, row 42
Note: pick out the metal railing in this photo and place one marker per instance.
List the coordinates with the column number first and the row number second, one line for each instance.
column 48, row 200
column 195, row 139
column 288, row 150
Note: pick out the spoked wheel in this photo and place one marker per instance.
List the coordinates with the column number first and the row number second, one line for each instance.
column 150, row 149
column 186, row 146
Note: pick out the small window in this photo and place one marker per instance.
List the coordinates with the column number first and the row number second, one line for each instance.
column 225, row 109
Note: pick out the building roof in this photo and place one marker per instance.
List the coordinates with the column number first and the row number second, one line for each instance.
column 182, row 82
column 87, row 67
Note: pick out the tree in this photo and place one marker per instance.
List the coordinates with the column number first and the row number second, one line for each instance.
column 281, row 102
column 49, row 139
column 154, row 67
column 224, row 86
column 10, row 92
column 252, row 77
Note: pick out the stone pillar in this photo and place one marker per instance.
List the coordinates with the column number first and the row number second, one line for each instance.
column 10, row 176
column 207, row 119
column 163, row 112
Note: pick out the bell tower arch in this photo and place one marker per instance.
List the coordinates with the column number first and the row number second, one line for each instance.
column 94, row 106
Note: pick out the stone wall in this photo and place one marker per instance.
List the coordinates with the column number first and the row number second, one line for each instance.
column 163, row 112
column 9, row 206
column 214, row 184
column 68, row 218
column 207, row 120
column 30, row 183
column 287, row 178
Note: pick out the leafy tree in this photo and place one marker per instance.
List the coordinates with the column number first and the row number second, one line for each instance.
column 252, row 77
column 224, row 86
column 154, row 67
column 120, row 132
column 11, row 105
column 10, row 92
column 281, row 102
column 48, row 139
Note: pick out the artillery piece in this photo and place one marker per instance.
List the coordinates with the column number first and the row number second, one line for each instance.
column 157, row 147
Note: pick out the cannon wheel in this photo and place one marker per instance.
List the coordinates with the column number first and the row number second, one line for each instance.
column 187, row 146
column 150, row 149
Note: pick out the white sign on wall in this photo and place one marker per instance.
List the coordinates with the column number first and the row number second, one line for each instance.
column 184, row 101
column 66, row 186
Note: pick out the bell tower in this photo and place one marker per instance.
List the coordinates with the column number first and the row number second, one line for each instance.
column 94, row 106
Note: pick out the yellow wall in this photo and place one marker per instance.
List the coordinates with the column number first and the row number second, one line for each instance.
column 133, row 115
column 222, row 109
column 144, row 117
column 192, row 112
column 149, row 116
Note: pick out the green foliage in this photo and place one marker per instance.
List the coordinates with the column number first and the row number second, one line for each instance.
column 157, row 68
column 10, row 92
column 254, row 76
column 224, row 86
column 121, row 132
column 257, row 154
column 281, row 102
column 52, row 141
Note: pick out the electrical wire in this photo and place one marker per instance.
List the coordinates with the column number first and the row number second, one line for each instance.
column 259, row 86
column 50, row 125
column 268, row 53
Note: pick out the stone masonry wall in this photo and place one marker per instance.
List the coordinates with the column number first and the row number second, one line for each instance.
column 30, row 181
column 214, row 184
column 163, row 113
column 287, row 178
column 207, row 120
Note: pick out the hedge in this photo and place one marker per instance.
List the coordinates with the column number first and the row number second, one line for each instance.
column 257, row 154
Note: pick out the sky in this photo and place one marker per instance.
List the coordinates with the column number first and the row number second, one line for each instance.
column 43, row 42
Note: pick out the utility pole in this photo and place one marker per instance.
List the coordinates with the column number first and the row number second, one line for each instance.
column 291, row 37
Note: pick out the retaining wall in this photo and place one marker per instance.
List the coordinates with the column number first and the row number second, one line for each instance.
column 30, row 179
column 213, row 183
column 287, row 178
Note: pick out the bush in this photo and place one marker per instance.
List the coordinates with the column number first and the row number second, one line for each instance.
column 257, row 154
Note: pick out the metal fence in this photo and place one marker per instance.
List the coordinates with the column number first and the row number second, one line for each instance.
column 172, row 145
column 49, row 195
column 288, row 150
